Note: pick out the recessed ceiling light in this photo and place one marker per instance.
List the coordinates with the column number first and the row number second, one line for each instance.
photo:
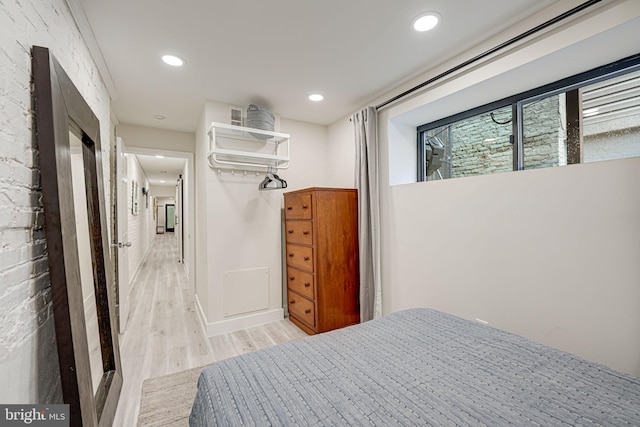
column 159, row 156
column 159, row 117
column 316, row 97
column 173, row 60
column 162, row 181
column 426, row 21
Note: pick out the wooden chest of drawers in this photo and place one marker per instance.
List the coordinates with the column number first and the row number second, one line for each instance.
column 321, row 226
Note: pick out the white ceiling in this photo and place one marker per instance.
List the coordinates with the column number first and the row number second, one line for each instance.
column 167, row 169
column 276, row 52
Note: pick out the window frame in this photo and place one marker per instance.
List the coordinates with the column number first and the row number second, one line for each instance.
column 518, row 101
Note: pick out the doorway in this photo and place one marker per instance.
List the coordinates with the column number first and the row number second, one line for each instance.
column 170, row 218
column 160, row 182
column 160, row 219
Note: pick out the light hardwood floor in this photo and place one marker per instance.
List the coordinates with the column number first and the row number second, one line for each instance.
column 164, row 334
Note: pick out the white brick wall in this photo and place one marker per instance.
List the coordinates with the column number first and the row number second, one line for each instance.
column 29, row 371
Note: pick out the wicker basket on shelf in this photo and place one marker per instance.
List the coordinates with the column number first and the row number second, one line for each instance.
column 259, row 118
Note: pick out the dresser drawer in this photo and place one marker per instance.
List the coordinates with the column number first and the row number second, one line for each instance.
column 300, row 256
column 299, row 232
column 300, row 281
column 302, row 308
column 297, row 206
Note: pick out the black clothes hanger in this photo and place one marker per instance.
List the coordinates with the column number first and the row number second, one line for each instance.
column 272, row 181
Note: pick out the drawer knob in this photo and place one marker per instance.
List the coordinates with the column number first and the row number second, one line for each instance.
column 290, row 231
column 307, row 311
column 289, row 208
column 292, row 277
column 305, row 206
column 306, row 285
column 292, row 301
column 305, row 232
column 290, row 255
column 306, row 258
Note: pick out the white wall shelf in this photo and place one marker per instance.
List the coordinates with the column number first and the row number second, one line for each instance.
column 240, row 146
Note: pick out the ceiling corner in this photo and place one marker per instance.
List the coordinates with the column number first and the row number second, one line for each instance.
column 80, row 18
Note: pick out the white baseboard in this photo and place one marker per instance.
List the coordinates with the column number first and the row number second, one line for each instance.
column 122, row 324
column 229, row 325
column 201, row 316
column 133, row 277
column 203, row 321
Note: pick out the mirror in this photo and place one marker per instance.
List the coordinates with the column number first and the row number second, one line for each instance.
column 84, row 255
column 68, row 138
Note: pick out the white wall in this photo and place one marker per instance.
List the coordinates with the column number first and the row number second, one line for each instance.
column 310, row 162
column 163, row 190
column 28, row 354
column 200, row 205
column 239, row 226
column 402, row 149
column 160, row 139
column 342, row 154
column 549, row 254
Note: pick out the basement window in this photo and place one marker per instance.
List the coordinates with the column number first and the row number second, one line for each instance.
column 589, row 117
column 477, row 145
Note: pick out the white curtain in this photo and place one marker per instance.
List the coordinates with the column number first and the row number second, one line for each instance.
column 365, row 124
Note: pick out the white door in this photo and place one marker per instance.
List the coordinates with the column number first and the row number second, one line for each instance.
column 122, row 243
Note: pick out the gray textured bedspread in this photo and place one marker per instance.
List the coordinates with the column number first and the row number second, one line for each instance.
column 414, row 367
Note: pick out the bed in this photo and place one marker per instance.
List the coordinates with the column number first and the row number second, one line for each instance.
column 414, row 367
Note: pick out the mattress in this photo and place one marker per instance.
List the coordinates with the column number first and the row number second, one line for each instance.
column 414, row 367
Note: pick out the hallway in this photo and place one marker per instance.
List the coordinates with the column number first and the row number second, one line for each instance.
column 164, row 334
